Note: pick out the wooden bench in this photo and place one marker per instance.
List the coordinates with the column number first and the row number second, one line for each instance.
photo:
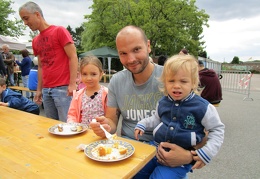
column 21, row 89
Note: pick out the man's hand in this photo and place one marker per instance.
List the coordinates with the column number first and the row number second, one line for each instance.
column 173, row 155
column 95, row 126
column 38, row 98
column 71, row 87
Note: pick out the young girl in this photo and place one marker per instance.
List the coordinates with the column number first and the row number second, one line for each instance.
column 90, row 101
column 180, row 118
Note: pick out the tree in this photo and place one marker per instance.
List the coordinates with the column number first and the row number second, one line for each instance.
column 169, row 24
column 203, row 54
column 13, row 28
column 33, row 34
column 235, row 60
column 76, row 36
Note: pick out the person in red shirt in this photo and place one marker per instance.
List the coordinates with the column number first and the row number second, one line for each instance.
column 57, row 62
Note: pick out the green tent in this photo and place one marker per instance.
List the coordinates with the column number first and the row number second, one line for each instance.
column 103, row 52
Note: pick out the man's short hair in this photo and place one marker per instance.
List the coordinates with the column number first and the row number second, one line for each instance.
column 185, row 51
column 201, row 63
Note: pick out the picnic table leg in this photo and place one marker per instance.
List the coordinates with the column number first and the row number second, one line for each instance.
column 105, row 78
column 18, row 78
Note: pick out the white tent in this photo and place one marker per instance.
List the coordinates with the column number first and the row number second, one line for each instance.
column 13, row 44
column 29, row 47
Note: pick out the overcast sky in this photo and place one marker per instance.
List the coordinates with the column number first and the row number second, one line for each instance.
column 58, row 12
column 234, row 24
column 234, row 29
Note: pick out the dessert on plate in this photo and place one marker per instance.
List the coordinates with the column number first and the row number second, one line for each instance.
column 109, row 151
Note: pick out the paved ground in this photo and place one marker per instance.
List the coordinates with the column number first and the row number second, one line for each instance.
column 239, row 156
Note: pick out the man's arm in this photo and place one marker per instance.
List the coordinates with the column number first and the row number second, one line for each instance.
column 9, row 58
column 70, row 50
column 38, row 96
column 12, row 56
column 39, row 85
column 112, row 114
column 8, row 61
column 176, row 155
column 109, row 122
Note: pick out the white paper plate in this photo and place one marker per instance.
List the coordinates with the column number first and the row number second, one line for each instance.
column 67, row 128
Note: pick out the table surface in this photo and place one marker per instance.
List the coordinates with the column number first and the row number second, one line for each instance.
column 28, row 150
column 21, row 88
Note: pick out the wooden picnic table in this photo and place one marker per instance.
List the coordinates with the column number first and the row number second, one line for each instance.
column 29, row 150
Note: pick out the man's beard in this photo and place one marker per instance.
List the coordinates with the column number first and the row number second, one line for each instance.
column 142, row 69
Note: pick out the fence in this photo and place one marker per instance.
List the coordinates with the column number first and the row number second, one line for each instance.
column 237, row 81
column 210, row 64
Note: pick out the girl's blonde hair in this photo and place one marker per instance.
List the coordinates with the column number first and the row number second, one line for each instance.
column 188, row 63
column 90, row 60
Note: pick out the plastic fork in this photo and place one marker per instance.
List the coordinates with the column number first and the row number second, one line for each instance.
column 108, row 135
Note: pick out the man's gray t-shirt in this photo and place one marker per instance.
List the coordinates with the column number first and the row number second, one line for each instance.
column 134, row 101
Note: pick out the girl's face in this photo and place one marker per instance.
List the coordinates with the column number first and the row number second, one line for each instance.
column 90, row 76
column 179, row 85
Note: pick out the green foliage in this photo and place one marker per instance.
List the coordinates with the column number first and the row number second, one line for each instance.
column 33, row 34
column 235, row 60
column 13, row 28
column 169, row 24
column 203, row 54
column 76, row 36
column 254, row 71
